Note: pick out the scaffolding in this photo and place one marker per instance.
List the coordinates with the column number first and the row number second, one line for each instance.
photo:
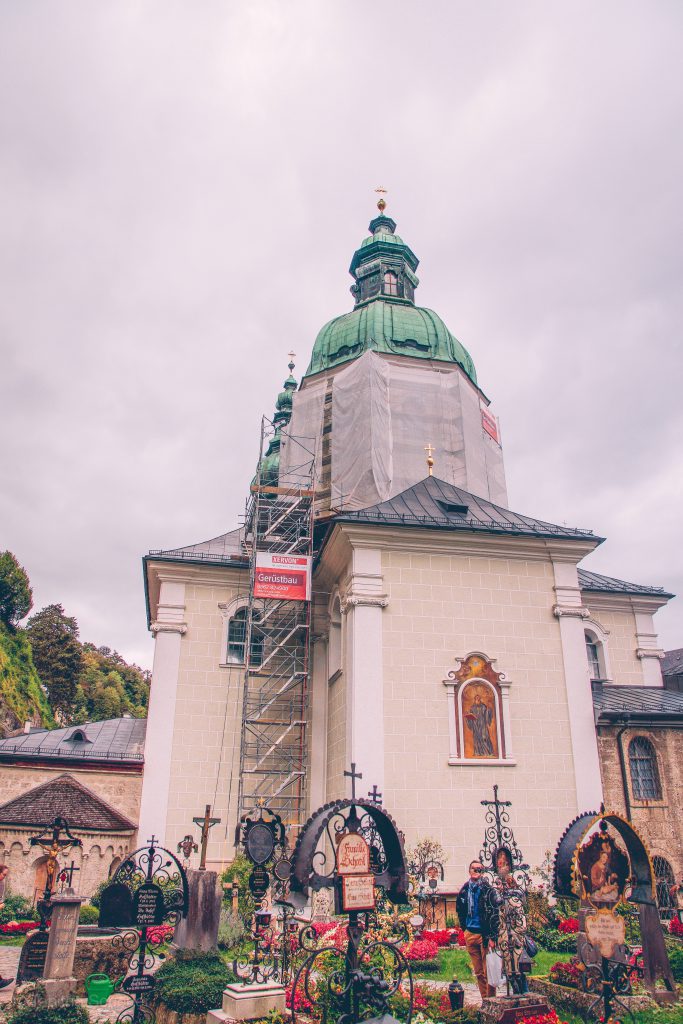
column 274, row 738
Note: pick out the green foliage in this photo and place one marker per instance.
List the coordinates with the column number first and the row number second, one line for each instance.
column 57, row 656
column 16, row 596
column 240, row 869
column 22, row 698
column 676, row 959
column 192, row 982
column 109, row 687
column 17, row 908
column 550, row 938
column 97, row 894
column 67, row 1013
column 88, row 914
column 231, row 929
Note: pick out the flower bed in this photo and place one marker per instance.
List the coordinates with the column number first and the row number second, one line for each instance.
column 676, row 927
column 17, row 927
column 444, row 937
column 542, row 1018
column 160, row 933
column 567, row 973
column 569, row 926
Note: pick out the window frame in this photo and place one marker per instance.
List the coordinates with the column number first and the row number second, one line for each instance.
column 389, row 286
column 638, row 777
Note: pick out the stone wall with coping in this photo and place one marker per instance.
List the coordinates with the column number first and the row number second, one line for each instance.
column 95, row 860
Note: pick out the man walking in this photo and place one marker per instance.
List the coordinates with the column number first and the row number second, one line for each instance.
column 475, row 911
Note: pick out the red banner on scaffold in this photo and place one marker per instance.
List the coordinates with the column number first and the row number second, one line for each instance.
column 287, row 577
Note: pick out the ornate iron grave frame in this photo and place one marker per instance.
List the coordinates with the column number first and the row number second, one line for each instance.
column 508, row 877
column 361, row 986
column 158, row 894
column 264, row 841
column 610, row 977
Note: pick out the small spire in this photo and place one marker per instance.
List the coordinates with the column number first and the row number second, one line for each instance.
column 430, row 449
column 291, row 363
column 381, row 204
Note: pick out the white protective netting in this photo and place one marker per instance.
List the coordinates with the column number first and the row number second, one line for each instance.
column 383, row 415
column 302, row 437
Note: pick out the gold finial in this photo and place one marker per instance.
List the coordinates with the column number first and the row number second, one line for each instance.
column 291, row 360
column 381, row 204
column 430, row 449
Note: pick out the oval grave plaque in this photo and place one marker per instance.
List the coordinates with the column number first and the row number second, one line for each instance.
column 260, row 843
column 283, row 869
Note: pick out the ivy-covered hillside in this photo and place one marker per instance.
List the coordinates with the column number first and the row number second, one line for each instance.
column 22, row 698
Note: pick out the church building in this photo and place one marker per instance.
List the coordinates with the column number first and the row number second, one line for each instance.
column 382, row 607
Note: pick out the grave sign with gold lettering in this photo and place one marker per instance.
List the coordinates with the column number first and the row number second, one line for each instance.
column 605, row 930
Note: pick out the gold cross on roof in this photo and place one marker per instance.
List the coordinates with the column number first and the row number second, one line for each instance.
column 430, row 449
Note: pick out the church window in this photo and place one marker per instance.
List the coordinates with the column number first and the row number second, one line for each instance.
column 664, row 880
column 237, row 633
column 644, row 772
column 390, row 283
column 594, row 655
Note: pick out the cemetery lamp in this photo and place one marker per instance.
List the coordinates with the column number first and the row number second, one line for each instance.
column 262, row 918
column 456, row 994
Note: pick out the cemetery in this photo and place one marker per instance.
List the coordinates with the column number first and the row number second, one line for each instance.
column 334, row 926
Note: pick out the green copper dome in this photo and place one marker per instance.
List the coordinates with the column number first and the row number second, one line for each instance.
column 385, row 318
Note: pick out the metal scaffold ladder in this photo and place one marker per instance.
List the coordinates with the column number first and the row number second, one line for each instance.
column 274, row 740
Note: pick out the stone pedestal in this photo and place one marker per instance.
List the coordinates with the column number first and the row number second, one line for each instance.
column 248, row 1002
column 510, row 1009
column 58, row 973
column 199, row 930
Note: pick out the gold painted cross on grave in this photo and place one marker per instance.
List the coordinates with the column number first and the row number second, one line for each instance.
column 206, row 823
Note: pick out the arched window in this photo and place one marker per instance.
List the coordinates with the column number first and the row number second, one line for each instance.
column 237, row 633
column 664, row 879
column 595, row 656
column 644, row 773
column 390, row 283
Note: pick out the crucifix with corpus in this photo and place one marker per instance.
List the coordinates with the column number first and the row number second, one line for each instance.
column 205, row 823
column 54, row 843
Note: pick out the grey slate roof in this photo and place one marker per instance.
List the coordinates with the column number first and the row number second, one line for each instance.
column 116, row 740
column 433, row 503
column 64, row 797
column 594, row 582
column 228, row 547
column 672, row 663
column 643, row 702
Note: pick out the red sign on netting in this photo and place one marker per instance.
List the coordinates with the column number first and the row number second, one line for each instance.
column 287, row 577
column 490, row 425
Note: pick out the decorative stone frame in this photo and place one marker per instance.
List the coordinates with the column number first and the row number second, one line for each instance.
column 477, row 667
column 228, row 611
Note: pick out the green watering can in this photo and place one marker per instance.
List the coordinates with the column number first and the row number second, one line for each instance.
column 98, row 988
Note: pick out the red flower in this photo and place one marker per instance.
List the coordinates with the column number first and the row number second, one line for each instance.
column 676, row 927
column 568, row 926
column 421, row 949
column 17, row 927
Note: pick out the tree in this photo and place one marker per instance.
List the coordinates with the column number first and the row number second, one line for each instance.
column 57, row 656
column 16, row 596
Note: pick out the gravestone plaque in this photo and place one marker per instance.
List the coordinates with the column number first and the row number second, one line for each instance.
column 32, row 959
column 259, row 882
column 283, row 869
column 61, row 947
column 149, row 905
column 116, row 906
column 353, row 855
column 260, row 843
column 358, row 893
column 605, row 930
column 139, row 983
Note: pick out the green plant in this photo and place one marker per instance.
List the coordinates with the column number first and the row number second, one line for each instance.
column 67, row 1013
column 557, row 942
column 239, row 871
column 231, row 930
column 192, row 982
column 97, row 895
column 88, row 914
column 676, row 960
column 16, row 597
column 451, row 923
column 17, row 908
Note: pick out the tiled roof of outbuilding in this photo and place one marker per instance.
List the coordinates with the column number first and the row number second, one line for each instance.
column 227, row 547
column 435, row 504
column 672, row 662
column 637, row 702
column 67, row 798
column 115, row 740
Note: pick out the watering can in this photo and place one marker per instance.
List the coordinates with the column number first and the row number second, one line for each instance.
column 98, row 988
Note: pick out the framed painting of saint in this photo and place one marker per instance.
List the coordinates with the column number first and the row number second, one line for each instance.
column 479, row 718
column 604, row 869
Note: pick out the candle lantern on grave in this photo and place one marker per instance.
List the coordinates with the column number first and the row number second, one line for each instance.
column 603, row 862
column 353, row 848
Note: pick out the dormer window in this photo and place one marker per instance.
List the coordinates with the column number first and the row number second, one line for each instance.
column 390, row 283
column 78, row 736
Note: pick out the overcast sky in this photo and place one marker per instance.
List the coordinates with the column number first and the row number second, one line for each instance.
column 182, row 186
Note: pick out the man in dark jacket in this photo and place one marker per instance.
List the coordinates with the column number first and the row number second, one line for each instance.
column 476, row 913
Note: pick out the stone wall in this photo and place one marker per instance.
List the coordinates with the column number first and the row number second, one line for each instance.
column 120, row 787
column 659, row 821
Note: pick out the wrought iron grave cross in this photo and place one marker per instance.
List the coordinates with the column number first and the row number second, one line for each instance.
column 353, row 775
column 375, row 796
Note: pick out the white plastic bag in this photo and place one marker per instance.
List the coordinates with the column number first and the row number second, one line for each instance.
column 494, row 969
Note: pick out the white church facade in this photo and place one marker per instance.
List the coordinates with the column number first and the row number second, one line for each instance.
column 451, row 644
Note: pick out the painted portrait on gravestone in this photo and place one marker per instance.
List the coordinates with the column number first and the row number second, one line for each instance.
column 479, row 721
column 604, row 869
column 502, row 862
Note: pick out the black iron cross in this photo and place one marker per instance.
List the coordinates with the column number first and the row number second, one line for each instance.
column 496, row 805
column 353, row 775
column 375, row 796
column 206, row 823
